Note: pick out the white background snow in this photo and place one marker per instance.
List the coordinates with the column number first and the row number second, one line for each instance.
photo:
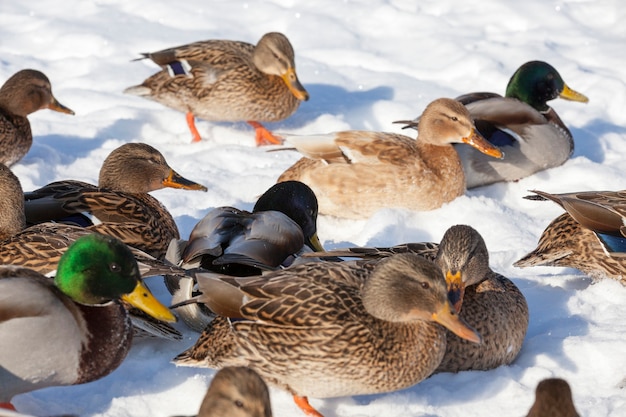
column 365, row 64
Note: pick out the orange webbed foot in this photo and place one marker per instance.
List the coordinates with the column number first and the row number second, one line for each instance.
column 264, row 136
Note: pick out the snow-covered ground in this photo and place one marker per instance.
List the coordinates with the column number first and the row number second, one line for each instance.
column 365, row 64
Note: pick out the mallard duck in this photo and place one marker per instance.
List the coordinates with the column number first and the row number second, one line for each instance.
column 236, row 391
column 229, row 81
column 41, row 246
column 235, row 242
column 330, row 329
column 127, row 175
column 553, row 398
column 72, row 330
column 528, row 131
column 489, row 302
column 590, row 236
column 355, row 173
column 24, row 93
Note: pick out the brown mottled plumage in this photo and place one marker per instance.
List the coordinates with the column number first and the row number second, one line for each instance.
column 24, row 93
column 488, row 301
column 356, row 173
column 589, row 237
column 120, row 199
column 41, row 246
column 236, row 391
column 227, row 81
column 329, row 329
column 553, row 398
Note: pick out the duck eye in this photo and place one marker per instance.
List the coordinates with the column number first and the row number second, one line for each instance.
column 425, row 285
column 454, row 119
column 238, row 404
column 115, row 267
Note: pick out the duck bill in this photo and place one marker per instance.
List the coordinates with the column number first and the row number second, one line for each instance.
column 569, row 94
column 56, row 106
column 448, row 318
column 175, row 180
column 476, row 140
column 291, row 79
column 315, row 244
column 142, row 298
column 456, row 289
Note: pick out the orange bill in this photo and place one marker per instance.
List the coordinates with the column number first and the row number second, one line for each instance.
column 477, row 141
column 175, row 180
column 448, row 318
column 291, row 79
column 456, row 289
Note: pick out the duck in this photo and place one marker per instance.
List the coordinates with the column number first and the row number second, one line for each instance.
column 356, row 173
column 227, row 81
column 590, row 236
column 486, row 300
column 329, row 329
column 120, row 200
column 553, row 398
column 529, row 132
column 281, row 226
column 41, row 246
column 236, row 391
column 74, row 329
column 23, row 93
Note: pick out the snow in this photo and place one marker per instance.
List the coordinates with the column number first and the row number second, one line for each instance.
column 365, row 64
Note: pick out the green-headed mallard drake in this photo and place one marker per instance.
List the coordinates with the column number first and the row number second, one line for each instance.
column 236, row 391
column 230, row 81
column 528, row 131
column 553, row 398
column 330, row 329
column 24, row 93
column 356, row 173
column 282, row 224
column 127, row 175
column 72, row 330
column 41, row 246
column 489, row 302
column 590, row 236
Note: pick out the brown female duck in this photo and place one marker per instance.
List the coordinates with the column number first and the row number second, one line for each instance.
column 24, row 93
column 126, row 177
column 489, row 302
column 330, row 329
column 590, row 236
column 355, row 173
column 222, row 80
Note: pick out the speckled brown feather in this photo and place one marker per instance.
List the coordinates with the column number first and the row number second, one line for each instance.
column 121, row 197
column 307, row 331
column 565, row 243
column 492, row 304
column 224, row 82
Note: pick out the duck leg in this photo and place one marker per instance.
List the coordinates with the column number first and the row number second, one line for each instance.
column 264, row 136
column 303, row 403
column 195, row 136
